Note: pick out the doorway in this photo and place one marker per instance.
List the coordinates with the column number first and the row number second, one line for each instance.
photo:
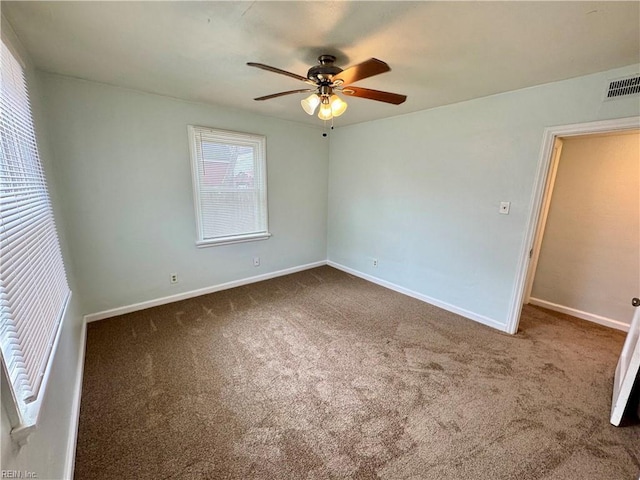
column 586, row 254
column 539, row 215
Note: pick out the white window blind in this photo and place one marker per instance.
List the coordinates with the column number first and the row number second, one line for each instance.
column 33, row 284
column 230, row 186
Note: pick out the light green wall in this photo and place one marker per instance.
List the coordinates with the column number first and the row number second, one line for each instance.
column 421, row 192
column 123, row 162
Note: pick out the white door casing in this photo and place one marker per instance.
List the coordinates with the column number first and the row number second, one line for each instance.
column 545, row 164
column 542, row 220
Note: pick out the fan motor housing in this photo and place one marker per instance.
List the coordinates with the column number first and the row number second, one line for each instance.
column 324, row 72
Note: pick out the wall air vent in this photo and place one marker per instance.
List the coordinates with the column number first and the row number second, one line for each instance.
column 623, row 87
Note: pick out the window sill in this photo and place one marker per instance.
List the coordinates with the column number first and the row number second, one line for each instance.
column 24, row 417
column 229, row 240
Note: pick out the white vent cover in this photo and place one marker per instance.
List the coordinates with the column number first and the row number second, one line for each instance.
column 623, row 87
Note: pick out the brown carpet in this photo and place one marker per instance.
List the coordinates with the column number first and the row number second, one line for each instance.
column 320, row 375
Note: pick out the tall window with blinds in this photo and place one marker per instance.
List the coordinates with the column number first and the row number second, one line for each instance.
column 229, row 185
column 33, row 284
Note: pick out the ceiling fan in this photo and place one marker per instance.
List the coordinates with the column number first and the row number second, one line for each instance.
column 327, row 79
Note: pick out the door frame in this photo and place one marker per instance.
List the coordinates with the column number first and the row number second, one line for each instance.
column 541, row 224
column 541, row 189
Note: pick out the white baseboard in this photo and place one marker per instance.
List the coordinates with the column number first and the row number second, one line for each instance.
column 75, row 408
column 607, row 322
column 114, row 312
column 432, row 301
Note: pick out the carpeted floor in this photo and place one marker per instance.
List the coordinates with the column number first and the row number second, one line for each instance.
column 320, row 375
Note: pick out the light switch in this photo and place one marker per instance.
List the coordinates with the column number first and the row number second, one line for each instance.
column 504, row 208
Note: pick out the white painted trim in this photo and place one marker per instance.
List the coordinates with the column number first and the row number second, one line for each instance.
column 542, row 218
column 24, row 417
column 548, row 139
column 229, row 240
column 72, row 440
column 92, row 317
column 591, row 317
column 259, row 145
column 432, row 301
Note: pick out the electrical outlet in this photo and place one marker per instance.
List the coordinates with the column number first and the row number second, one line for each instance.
column 375, row 262
column 173, row 278
column 256, row 261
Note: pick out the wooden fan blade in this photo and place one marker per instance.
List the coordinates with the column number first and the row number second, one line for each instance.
column 366, row 69
column 281, row 72
column 281, row 94
column 387, row 97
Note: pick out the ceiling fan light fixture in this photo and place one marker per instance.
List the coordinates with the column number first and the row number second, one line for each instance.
column 327, row 77
column 338, row 106
column 325, row 112
column 310, row 103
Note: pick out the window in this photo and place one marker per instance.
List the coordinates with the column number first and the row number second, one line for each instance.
column 229, row 186
column 33, row 284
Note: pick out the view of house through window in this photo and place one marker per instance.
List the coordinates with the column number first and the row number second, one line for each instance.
column 229, row 180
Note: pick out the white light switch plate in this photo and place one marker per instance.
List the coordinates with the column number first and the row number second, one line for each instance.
column 504, row 208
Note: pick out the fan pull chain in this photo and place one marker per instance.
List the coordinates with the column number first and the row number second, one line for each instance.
column 325, row 133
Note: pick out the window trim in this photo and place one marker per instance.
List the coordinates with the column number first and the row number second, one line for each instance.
column 258, row 142
column 24, row 416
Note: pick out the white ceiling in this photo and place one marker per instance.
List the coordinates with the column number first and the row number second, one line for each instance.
column 439, row 52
